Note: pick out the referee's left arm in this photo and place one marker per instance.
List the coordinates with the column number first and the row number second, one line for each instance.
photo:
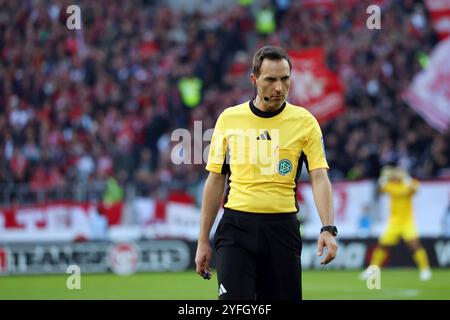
column 322, row 192
column 314, row 152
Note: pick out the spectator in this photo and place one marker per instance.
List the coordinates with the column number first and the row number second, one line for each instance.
column 87, row 104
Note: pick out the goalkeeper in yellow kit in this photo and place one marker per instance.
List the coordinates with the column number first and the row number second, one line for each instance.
column 400, row 188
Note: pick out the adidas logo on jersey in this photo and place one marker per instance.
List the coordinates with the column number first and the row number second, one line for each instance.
column 222, row 290
column 264, row 136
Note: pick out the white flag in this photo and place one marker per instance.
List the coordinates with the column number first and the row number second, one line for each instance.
column 429, row 93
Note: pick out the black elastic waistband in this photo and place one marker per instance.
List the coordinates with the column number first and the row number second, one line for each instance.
column 268, row 216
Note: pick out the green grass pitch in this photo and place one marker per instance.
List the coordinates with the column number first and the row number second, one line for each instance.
column 396, row 284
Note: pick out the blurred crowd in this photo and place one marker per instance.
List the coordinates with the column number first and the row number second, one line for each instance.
column 83, row 105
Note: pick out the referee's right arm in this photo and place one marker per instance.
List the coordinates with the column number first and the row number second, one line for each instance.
column 212, row 196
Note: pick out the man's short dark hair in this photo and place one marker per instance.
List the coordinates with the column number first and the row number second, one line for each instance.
column 271, row 53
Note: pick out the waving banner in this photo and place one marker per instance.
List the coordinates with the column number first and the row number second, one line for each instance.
column 429, row 93
column 314, row 87
column 439, row 11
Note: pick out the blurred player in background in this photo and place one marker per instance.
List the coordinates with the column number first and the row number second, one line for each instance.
column 401, row 189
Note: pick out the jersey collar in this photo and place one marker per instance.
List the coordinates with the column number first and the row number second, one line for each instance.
column 266, row 114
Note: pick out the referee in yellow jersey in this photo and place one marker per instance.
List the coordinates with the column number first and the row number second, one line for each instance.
column 259, row 147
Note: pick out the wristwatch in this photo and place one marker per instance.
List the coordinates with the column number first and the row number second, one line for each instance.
column 331, row 229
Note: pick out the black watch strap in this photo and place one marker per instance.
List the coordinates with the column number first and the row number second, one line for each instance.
column 331, row 229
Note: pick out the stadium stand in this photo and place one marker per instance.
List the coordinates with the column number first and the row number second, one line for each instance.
column 84, row 105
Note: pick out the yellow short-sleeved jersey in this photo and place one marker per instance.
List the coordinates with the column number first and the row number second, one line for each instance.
column 263, row 153
column 400, row 200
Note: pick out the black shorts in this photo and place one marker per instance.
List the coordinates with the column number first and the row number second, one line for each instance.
column 258, row 256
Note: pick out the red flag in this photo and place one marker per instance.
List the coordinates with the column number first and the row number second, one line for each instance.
column 314, row 87
column 440, row 15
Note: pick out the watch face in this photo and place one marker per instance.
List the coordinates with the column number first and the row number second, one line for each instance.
column 334, row 230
